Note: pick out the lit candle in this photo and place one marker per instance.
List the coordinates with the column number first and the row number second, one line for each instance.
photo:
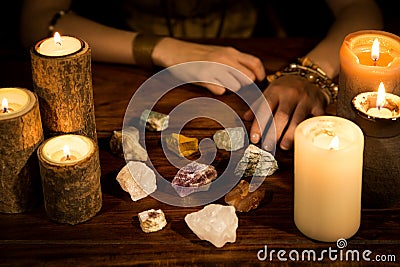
column 327, row 177
column 59, row 46
column 378, row 113
column 367, row 58
column 70, row 171
column 67, row 149
column 62, row 79
column 14, row 101
column 20, row 135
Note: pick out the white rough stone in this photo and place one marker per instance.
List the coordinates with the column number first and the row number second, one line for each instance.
column 215, row 223
column 137, row 179
column 230, row 139
column 152, row 220
column 125, row 144
column 256, row 162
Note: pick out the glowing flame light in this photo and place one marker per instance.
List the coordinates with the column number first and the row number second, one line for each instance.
column 4, row 105
column 375, row 50
column 380, row 99
column 67, row 153
column 57, row 39
column 334, row 145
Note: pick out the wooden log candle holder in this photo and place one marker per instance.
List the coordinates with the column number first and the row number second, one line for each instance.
column 62, row 79
column 361, row 72
column 20, row 135
column 70, row 171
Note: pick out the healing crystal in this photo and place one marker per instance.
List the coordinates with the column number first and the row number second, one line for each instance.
column 194, row 177
column 137, row 179
column 257, row 162
column 154, row 121
column 243, row 200
column 230, row 139
column 128, row 141
column 182, row 145
column 215, row 223
column 152, row 220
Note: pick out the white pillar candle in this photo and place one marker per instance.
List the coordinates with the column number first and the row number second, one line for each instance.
column 328, row 177
column 59, row 46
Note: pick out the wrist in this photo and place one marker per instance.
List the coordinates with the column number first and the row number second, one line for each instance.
column 313, row 73
column 143, row 46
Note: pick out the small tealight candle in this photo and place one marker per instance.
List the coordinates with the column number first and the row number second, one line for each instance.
column 328, row 177
column 70, row 171
column 378, row 113
column 59, row 46
column 67, row 149
column 14, row 101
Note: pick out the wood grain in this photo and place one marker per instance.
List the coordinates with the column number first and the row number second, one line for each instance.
column 114, row 238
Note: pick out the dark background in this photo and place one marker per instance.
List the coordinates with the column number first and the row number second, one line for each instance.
column 9, row 23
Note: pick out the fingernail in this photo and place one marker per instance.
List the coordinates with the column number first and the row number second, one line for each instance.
column 254, row 138
column 285, row 145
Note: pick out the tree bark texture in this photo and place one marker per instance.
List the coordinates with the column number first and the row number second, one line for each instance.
column 19, row 171
column 72, row 193
column 64, row 87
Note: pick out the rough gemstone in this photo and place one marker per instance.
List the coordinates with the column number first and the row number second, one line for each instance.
column 152, row 220
column 182, row 145
column 137, row 179
column 193, row 177
column 243, row 200
column 230, row 139
column 215, row 223
column 154, row 121
column 256, row 162
column 128, row 141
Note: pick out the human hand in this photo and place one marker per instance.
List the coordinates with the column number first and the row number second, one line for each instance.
column 169, row 52
column 291, row 99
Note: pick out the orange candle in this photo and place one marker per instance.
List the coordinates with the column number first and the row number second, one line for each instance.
column 362, row 69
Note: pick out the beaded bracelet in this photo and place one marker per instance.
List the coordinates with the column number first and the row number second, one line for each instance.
column 313, row 73
column 143, row 46
column 55, row 19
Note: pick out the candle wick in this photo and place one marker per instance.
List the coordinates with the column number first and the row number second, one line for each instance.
column 68, row 157
column 375, row 59
column 58, row 43
column 5, row 110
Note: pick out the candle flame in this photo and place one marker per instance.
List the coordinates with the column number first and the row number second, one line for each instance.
column 375, row 50
column 67, row 153
column 57, row 39
column 4, row 105
column 334, row 145
column 380, row 99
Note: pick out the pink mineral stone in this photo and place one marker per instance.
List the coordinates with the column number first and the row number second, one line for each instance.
column 193, row 177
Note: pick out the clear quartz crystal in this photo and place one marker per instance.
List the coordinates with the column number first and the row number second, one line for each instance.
column 215, row 223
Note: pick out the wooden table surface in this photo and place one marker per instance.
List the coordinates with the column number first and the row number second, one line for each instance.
column 114, row 238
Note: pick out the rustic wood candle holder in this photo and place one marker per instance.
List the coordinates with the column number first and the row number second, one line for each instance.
column 72, row 191
column 64, row 87
column 20, row 136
